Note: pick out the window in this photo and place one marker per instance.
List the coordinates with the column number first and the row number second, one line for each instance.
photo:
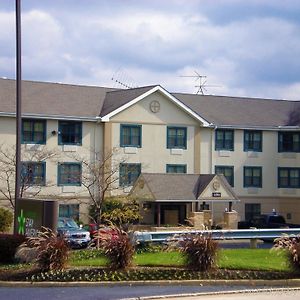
column 69, row 211
column 176, row 168
column 252, row 210
column 129, row 174
column 176, row 137
column 224, row 139
column 69, row 174
column 69, row 133
column 33, row 131
column 252, row 140
column 227, row 171
column 33, row 173
column 289, row 141
column 289, row 177
column 253, row 177
column 130, row 136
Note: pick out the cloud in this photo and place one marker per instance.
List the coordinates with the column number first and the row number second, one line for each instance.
column 247, row 48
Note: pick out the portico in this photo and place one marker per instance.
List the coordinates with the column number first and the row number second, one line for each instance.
column 184, row 199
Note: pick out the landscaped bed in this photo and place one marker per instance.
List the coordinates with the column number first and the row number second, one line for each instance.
column 91, row 265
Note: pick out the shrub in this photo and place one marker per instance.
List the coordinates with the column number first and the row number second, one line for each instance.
column 52, row 251
column 120, row 210
column 6, row 219
column 8, row 245
column 149, row 247
column 292, row 245
column 199, row 249
column 118, row 247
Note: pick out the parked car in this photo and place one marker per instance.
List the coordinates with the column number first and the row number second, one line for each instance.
column 272, row 220
column 76, row 236
column 96, row 231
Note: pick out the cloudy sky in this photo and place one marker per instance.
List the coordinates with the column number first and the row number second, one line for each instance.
column 245, row 48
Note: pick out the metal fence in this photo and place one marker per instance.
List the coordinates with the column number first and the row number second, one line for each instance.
column 232, row 234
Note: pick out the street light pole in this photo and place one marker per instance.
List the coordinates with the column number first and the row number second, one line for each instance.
column 18, row 113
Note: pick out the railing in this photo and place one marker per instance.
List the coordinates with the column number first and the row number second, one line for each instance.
column 233, row 234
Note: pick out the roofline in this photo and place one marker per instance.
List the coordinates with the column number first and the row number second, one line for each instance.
column 51, row 117
column 62, row 84
column 107, row 117
column 238, row 97
column 250, row 127
column 195, row 200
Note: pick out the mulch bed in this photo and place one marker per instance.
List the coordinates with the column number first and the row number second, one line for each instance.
column 32, row 274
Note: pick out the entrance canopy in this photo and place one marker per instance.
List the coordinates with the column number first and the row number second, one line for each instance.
column 183, row 188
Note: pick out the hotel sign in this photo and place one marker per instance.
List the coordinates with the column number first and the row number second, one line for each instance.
column 34, row 214
column 216, row 194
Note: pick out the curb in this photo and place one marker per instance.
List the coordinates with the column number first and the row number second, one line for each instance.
column 191, row 295
column 249, row 283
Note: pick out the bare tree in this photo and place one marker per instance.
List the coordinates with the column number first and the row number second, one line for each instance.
column 100, row 177
column 28, row 179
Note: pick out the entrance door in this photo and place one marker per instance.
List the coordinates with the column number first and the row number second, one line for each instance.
column 172, row 214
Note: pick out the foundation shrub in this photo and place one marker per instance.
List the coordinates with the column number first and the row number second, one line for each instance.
column 52, row 251
column 200, row 250
column 292, row 247
column 6, row 219
column 118, row 248
column 8, row 246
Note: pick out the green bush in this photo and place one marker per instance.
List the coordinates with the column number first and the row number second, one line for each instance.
column 6, row 219
column 292, row 245
column 120, row 210
column 199, row 249
column 8, row 246
column 52, row 251
column 118, row 248
column 149, row 247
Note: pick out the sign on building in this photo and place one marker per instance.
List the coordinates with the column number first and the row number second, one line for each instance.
column 32, row 215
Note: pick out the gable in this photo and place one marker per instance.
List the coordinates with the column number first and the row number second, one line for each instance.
column 170, row 187
column 158, row 90
column 144, row 111
column 217, row 189
column 141, row 190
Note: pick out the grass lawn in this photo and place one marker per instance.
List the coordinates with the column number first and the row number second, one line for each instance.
column 246, row 259
column 253, row 259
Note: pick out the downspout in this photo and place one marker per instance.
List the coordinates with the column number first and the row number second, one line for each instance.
column 212, row 148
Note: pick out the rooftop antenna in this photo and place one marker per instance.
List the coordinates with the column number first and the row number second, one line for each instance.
column 120, row 78
column 201, row 82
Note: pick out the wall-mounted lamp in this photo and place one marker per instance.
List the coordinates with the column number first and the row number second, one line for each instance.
column 146, row 205
column 54, row 132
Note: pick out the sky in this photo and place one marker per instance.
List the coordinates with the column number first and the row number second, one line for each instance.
column 244, row 48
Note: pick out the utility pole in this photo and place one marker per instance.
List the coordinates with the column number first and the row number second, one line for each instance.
column 18, row 113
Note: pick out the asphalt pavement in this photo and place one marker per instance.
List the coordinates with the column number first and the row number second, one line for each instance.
column 118, row 292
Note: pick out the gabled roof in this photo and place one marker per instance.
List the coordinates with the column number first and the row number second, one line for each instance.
column 244, row 112
column 119, row 98
column 176, row 187
column 53, row 99
column 115, row 102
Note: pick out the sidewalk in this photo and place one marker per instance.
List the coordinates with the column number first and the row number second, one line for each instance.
column 283, row 294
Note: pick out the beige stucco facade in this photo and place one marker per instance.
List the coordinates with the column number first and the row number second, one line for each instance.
column 199, row 157
column 92, row 142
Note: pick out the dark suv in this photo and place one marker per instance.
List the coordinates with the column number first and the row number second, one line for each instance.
column 75, row 235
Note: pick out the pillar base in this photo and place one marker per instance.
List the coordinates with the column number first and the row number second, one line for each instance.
column 230, row 219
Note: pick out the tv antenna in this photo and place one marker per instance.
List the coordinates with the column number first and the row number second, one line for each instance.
column 202, row 86
column 120, row 78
